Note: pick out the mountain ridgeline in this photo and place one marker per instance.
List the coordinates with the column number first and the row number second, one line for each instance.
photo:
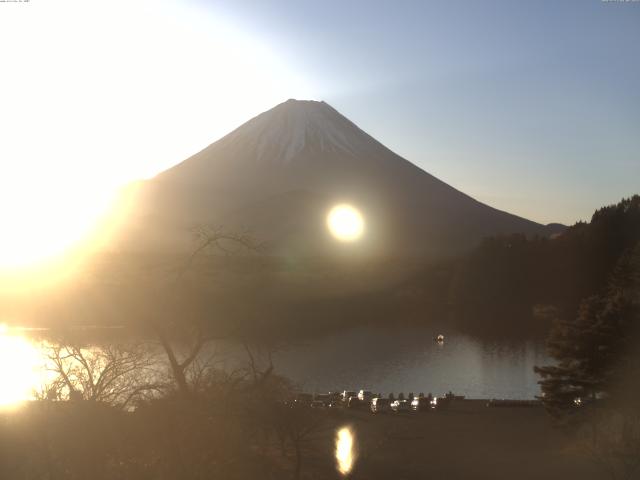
column 277, row 176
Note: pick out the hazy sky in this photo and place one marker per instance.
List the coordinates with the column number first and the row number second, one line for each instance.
column 531, row 107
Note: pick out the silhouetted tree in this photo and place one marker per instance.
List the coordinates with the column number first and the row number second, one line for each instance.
column 511, row 276
column 599, row 363
column 113, row 373
column 194, row 336
column 590, row 347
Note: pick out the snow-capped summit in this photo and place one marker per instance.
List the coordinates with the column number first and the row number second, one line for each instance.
column 286, row 134
column 283, row 132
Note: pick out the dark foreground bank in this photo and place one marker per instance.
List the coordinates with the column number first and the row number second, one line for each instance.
column 172, row 440
column 466, row 441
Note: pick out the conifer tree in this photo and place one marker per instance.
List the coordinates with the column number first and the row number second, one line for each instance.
column 591, row 348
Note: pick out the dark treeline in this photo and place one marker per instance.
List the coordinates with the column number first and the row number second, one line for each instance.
column 509, row 284
column 592, row 388
column 597, row 349
column 515, row 282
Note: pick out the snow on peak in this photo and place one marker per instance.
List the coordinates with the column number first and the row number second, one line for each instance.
column 278, row 135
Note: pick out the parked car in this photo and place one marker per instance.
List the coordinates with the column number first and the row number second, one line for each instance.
column 355, row 402
column 440, row 403
column 420, row 404
column 365, row 395
column 318, row 404
column 380, row 405
column 399, row 406
column 346, row 395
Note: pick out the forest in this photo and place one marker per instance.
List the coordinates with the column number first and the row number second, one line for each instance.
column 514, row 283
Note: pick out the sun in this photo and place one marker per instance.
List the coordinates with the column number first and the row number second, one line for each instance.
column 345, row 223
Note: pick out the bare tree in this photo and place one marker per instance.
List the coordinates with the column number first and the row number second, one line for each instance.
column 195, row 337
column 117, row 374
column 179, row 367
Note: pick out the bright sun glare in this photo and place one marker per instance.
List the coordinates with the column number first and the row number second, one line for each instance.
column 345, row 454
column 19, row 371
column 98, row 94
column 345, row 223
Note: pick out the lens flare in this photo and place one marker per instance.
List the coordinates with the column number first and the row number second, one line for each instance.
column 345, row 223
column 345, row 454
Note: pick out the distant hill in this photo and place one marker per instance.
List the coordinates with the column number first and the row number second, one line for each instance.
column 277, row 176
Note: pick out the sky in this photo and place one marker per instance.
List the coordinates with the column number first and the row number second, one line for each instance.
column 531, row 107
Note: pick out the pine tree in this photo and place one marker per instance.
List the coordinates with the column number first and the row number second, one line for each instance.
column 590, row 348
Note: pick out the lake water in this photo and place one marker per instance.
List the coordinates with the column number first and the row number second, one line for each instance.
column 403, row 359
column 409, row 360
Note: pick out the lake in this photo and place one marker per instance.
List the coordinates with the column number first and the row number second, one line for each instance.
column 403, row 359
column 408, row 359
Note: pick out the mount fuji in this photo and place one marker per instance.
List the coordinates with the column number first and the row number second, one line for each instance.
column 276, row 177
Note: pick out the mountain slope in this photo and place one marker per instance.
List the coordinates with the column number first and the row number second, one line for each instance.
column 277, row 176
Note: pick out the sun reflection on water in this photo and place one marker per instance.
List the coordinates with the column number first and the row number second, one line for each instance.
column 345, row 452
column 21, row 370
